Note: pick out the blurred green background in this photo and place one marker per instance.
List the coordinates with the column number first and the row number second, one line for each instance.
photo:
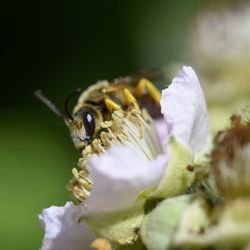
column 59, row 46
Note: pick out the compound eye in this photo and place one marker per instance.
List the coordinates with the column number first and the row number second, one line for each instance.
column 89, row 122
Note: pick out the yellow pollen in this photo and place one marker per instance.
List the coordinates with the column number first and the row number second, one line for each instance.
column 132, row 127
column 101, row 244
column 130, row 99
column 146, row 84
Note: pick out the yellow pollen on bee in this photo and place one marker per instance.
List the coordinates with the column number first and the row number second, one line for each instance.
column 146, row 84
column 111, row 105
column 130, row 99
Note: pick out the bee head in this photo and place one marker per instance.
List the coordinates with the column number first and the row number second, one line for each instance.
column 82, row 126
column 81, row 123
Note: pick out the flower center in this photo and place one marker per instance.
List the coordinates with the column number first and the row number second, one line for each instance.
column 231, row 159
column 134, row 128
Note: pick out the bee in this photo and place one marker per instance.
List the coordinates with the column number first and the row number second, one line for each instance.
column 97, row 119
column 96, row 104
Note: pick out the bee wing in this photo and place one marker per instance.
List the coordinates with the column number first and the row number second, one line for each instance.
column 153, row 74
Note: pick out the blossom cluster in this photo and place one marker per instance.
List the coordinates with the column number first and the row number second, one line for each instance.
column 167, row 189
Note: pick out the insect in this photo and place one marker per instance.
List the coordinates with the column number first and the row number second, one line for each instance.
column 105, row 114
column 97, row 103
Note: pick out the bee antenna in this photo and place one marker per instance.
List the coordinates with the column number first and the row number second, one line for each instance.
column 68, row 98
column 38, row 93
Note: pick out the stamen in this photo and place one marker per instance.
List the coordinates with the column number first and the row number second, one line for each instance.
column 133, row 137
column 122, row 128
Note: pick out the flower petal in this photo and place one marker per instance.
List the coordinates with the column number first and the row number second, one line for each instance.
column 63, row 230
column 184, row 109
column 176, row 179
column 119, row 176
column 162, row 130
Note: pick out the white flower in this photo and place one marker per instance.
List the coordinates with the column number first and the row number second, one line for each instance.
column 184, row 109
column 63, row 230
column 121, row 175
column 218, row 36
column 128, row 173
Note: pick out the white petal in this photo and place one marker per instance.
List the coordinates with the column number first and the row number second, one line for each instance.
column 63, row 230
column 162, row 130
column 184, row 109
column 119, row 176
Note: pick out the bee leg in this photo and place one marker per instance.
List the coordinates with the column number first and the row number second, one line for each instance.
column 130, row 99
column 111, row 105
column 152, row 90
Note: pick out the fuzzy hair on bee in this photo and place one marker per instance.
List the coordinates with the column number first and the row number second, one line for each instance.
column 97, row 102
